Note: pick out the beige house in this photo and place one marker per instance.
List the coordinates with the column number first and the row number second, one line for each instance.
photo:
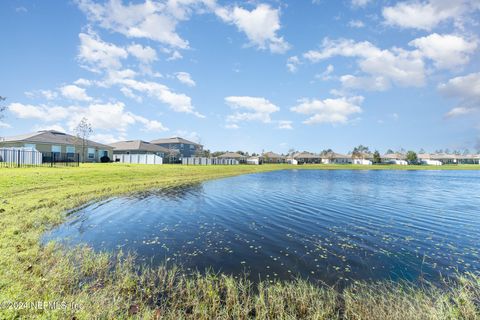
column 272, row 157
column 51, row 141
column 335, row 158
column 307, row 157
column 395, row 158
column 233, row 155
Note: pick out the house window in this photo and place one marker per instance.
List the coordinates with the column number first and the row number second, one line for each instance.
column 70, row 150
column 56, row 149
column 91, row 153
column 103, row 153
column 30, row 145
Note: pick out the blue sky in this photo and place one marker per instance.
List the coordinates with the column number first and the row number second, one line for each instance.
column 249, row 75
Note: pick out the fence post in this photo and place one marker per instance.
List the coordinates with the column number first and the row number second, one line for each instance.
column 18, row 159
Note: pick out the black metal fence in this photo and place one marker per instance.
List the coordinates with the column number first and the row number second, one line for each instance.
column 22, row 158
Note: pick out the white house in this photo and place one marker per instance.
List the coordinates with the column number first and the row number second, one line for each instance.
column 426, row 158
column 363, row 159
column 394, row 158
column 291, row 161
column 335, row 158
column 253, row 160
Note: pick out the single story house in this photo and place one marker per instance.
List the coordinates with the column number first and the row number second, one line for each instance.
column 362, row 158
column 52, row 141
column 307, row 157
column 445, row 158
column 291, row 160
column 394, row 158
column 253, row 160
column 335, row 158
column 184, row 147
column 233, row 155
column 140, row 147
column 272, row 157
column 425, row 158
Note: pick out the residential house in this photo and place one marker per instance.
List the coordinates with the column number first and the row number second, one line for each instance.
column 426, row 158
column 307, row 157
column 50, row 142
column 184, row 147
column 254, row 160
column 235, row 156
column 394, row 158
column 335, row 158
column 271, row 157
column 140, row 147
column 362, row 158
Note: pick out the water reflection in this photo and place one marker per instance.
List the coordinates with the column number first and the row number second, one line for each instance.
column 322, row 225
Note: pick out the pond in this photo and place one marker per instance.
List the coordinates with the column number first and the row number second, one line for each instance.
column 329, row 226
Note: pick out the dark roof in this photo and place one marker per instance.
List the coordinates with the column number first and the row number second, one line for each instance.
column 52, row 137
column 138, row 145
column 306, row 155
column 173, row 140
column 397, row 156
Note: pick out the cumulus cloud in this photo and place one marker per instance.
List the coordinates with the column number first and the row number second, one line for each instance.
column 426, row 15
column 398, row 66
column 447, row 51
column 465, row 89
column 185, row 78
column 96, row 54
column 292, row 63
column 356, row 24
column 250, row 109
column 260, row 25
column 150, row 20
column 102, row 116
column 334, row 111
column 74, row 92
column 144, row 54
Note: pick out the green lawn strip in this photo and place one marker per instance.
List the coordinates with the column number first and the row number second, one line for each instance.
column 33, row 200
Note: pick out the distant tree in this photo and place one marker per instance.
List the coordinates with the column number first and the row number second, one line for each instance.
column 326, row 151
column 254, row 155
column 466, row 151
column 241, row 152
column 447, row 151
column 217, row 153
column 402, row 151
column 412, row 157
column 83, row 131
column 390, row 151
column 422, row 150
column 358, row 151
column 439, row 151
column 376, row 157
column 291, row 152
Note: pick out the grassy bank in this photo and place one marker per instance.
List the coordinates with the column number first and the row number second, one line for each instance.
column 33, row 200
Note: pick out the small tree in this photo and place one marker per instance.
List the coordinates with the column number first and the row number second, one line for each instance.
column 412, row 157
column 83, row 131
column 358, row 151
column 390, row 151
column 376, row 157
column 2, row 109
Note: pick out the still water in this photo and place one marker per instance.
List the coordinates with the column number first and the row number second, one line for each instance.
column 330, row 226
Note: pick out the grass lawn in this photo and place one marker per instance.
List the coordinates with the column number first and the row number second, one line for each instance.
column 33, row 200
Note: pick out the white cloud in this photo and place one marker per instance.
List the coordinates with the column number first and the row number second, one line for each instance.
column 144, row 54
column 285, row 124
column 107, row 138
column 107, row 116
column 151, row 20
column 96, row 54
column 402, row 67
column 332, row 111
column 4, row 125
column 250, row 109
column 292, row 63
column 189, row 135
column 175, row 56
column 466, row 89
column 232, row 126
column 75, row 93
column 326, row 75
column 447, row 51
column 41, row 112
column 260, row 25
column 185, row 78
column 178, row 102
column 426, row 15
column 47, row 94
column 83, row 82
column 360, row 3
column 369, row 83
column 356, row 24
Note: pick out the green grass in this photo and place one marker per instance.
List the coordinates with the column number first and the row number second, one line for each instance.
column 33, row 200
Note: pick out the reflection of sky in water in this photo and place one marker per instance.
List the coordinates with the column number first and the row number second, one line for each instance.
column 321, row 225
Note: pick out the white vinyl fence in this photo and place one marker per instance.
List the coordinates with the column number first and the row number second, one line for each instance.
column 20, row 156
column 138, row 158
column 208, row 161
